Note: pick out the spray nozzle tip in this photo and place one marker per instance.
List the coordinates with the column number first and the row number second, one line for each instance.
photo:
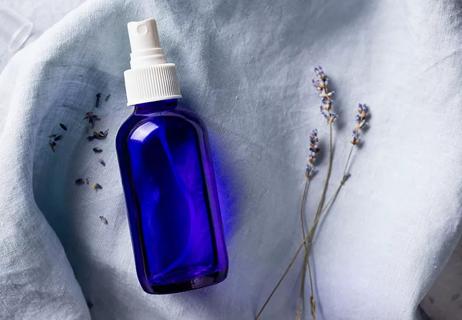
column 143, row 35
column 150, row 77
column 145, row 44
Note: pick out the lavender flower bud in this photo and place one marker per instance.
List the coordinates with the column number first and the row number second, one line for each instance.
column 360, row 123
column 313, row 152
column 320, row 82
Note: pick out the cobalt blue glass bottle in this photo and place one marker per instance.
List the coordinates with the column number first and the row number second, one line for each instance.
column 167, row 176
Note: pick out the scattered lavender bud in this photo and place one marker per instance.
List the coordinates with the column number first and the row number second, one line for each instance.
column 103, row 220
column 102, row 162
column 97, row 150
column 79, row 181
column 97, row 187
column 98, row 135
column 63, row 127
column 98, row 97
column 107, row 97
column 91, row 118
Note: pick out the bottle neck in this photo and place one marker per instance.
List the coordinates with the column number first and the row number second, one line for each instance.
column 155, row 106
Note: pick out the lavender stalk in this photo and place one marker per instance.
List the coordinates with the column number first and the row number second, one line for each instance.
column 321, row 85
column 309, row 171
column 361, row 118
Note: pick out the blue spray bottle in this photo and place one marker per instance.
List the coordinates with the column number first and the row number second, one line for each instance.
column 167, row 177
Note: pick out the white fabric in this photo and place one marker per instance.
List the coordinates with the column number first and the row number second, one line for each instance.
column 245, row 69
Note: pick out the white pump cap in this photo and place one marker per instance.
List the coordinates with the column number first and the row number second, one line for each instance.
column 150, row 78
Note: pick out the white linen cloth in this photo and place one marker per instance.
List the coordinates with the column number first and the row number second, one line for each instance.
column 245, row 69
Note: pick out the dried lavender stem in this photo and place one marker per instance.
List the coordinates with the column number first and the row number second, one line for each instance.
column 342, row 181
column 319, row 213
column 314, row 150
column 284, row 274
column 301, row 306
column 303, row 205
column 326, row 182
column 328, row 205
column 326, row 110
column 347, row 164
column 306, row 267
column 311, row 281
column 300, row 310
column 307, row 240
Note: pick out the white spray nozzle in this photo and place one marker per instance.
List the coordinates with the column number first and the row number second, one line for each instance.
column 145, row 44
column 150, row 77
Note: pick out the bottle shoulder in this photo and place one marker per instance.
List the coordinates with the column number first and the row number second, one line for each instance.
column 138, row 126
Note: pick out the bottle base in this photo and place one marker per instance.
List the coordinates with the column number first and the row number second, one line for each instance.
column 193, row 282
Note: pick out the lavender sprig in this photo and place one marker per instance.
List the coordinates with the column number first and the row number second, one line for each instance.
column 360, row 123
column 320, row 82
column 361, row 118
column 313, row 154
column 310, row 167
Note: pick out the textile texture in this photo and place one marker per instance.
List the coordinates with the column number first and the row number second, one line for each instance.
column 245, row 68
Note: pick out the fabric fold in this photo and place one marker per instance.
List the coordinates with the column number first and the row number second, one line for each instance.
column 245, row 69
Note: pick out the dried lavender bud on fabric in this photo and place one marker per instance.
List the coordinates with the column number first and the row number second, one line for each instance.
column 321, row 84
column 313, row 152
column 98, row 135
column 103, row 220
column 98, row 97
column 53, row 139
column 91, row 118
column 360, row 122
